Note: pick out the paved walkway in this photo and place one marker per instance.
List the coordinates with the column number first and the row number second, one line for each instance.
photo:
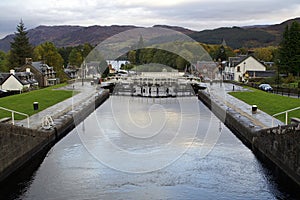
column 220, row 92
column 87, row 91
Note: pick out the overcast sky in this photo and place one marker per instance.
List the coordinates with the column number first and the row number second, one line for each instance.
column 192, row 14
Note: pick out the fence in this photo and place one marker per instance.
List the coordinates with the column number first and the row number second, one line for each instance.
column 286, row 115
column 13, row 115
column 284, row 91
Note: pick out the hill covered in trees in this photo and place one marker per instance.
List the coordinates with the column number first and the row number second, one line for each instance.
column 235, row 37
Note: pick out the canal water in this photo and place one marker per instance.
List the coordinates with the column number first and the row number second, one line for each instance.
column 139, row 148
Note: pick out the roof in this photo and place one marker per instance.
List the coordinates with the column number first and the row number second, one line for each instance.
column 241, row 61
column 40, row 66
column 234, row 61
column 9, row 75
column 3, row 77
column 70, row 72
column 17, row 75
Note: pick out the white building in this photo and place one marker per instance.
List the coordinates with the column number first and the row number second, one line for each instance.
column 238, row 67
column 17, row 81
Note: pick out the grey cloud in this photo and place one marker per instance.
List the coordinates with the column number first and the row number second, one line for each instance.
column 195, row 15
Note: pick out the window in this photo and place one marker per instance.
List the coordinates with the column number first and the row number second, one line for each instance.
column 238, row 69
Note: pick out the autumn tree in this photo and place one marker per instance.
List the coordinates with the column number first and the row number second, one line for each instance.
column 265, row 53
column 20, row 47
column 48, row 53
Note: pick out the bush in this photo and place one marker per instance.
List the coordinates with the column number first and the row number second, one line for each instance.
column 289, row 79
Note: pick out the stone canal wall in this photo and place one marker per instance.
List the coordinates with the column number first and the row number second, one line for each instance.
column 281, row 145
column 19, row 145
column 278, row 146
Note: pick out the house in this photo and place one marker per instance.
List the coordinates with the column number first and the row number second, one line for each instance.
column 71, row 72
column 228, row 72
column 116, row 64
column 17, row 81
column 91, row 69
column 208, row 69
column 44, row 74
column 239, row 68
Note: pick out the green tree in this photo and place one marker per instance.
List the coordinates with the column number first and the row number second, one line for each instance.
column 75, row 58
column 20, row 47
column 3, row 62
column 221, row 54
column 65, row 52
column 48, row 53
column 140, row 46
column 289, row 51
column 132, row 57
column 85, row 49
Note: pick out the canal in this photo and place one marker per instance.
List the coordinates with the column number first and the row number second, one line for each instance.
column 140, row 148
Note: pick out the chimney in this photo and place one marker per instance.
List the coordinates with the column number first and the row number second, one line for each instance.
column 28, row 61
column 12, row 71
column 28, row 70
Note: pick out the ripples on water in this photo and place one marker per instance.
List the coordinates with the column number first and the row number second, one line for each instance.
column 229, row 171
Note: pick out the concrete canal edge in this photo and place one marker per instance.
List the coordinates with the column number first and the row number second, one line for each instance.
column 20, row 145
column 278, row 146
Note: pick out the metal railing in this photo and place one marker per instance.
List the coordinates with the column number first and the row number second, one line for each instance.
column 13, row 115
column 286, row 115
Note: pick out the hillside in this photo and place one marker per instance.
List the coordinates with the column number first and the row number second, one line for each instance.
column 235, row 37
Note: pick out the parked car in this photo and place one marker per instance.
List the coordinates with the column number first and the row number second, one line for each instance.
column 265, row 87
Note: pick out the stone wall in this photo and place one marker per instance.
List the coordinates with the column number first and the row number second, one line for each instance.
column 18, row 145
column 279, row 145
column 282, row 146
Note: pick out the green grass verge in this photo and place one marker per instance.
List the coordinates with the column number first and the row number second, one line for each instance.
column 24, row 102
column 269, row 103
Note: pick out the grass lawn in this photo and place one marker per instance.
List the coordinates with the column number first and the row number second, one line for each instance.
column 269, row 103
column 24, row 102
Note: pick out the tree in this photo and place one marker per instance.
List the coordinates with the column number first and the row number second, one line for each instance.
column 65, row 52
column 132, row 57
column 20, row 47
column 48, row 53
column 289, row 51
column 3, row 62
column 75, row 58
column 221, row 54
column 140, row 46
column 265, row 53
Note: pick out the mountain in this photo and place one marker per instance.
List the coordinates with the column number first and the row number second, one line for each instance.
column 235, row 37
column 249, row 36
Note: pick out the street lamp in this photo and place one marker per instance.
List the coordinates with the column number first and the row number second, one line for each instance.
column 244, row 72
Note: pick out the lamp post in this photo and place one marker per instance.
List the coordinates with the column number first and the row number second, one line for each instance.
column 244, row 72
